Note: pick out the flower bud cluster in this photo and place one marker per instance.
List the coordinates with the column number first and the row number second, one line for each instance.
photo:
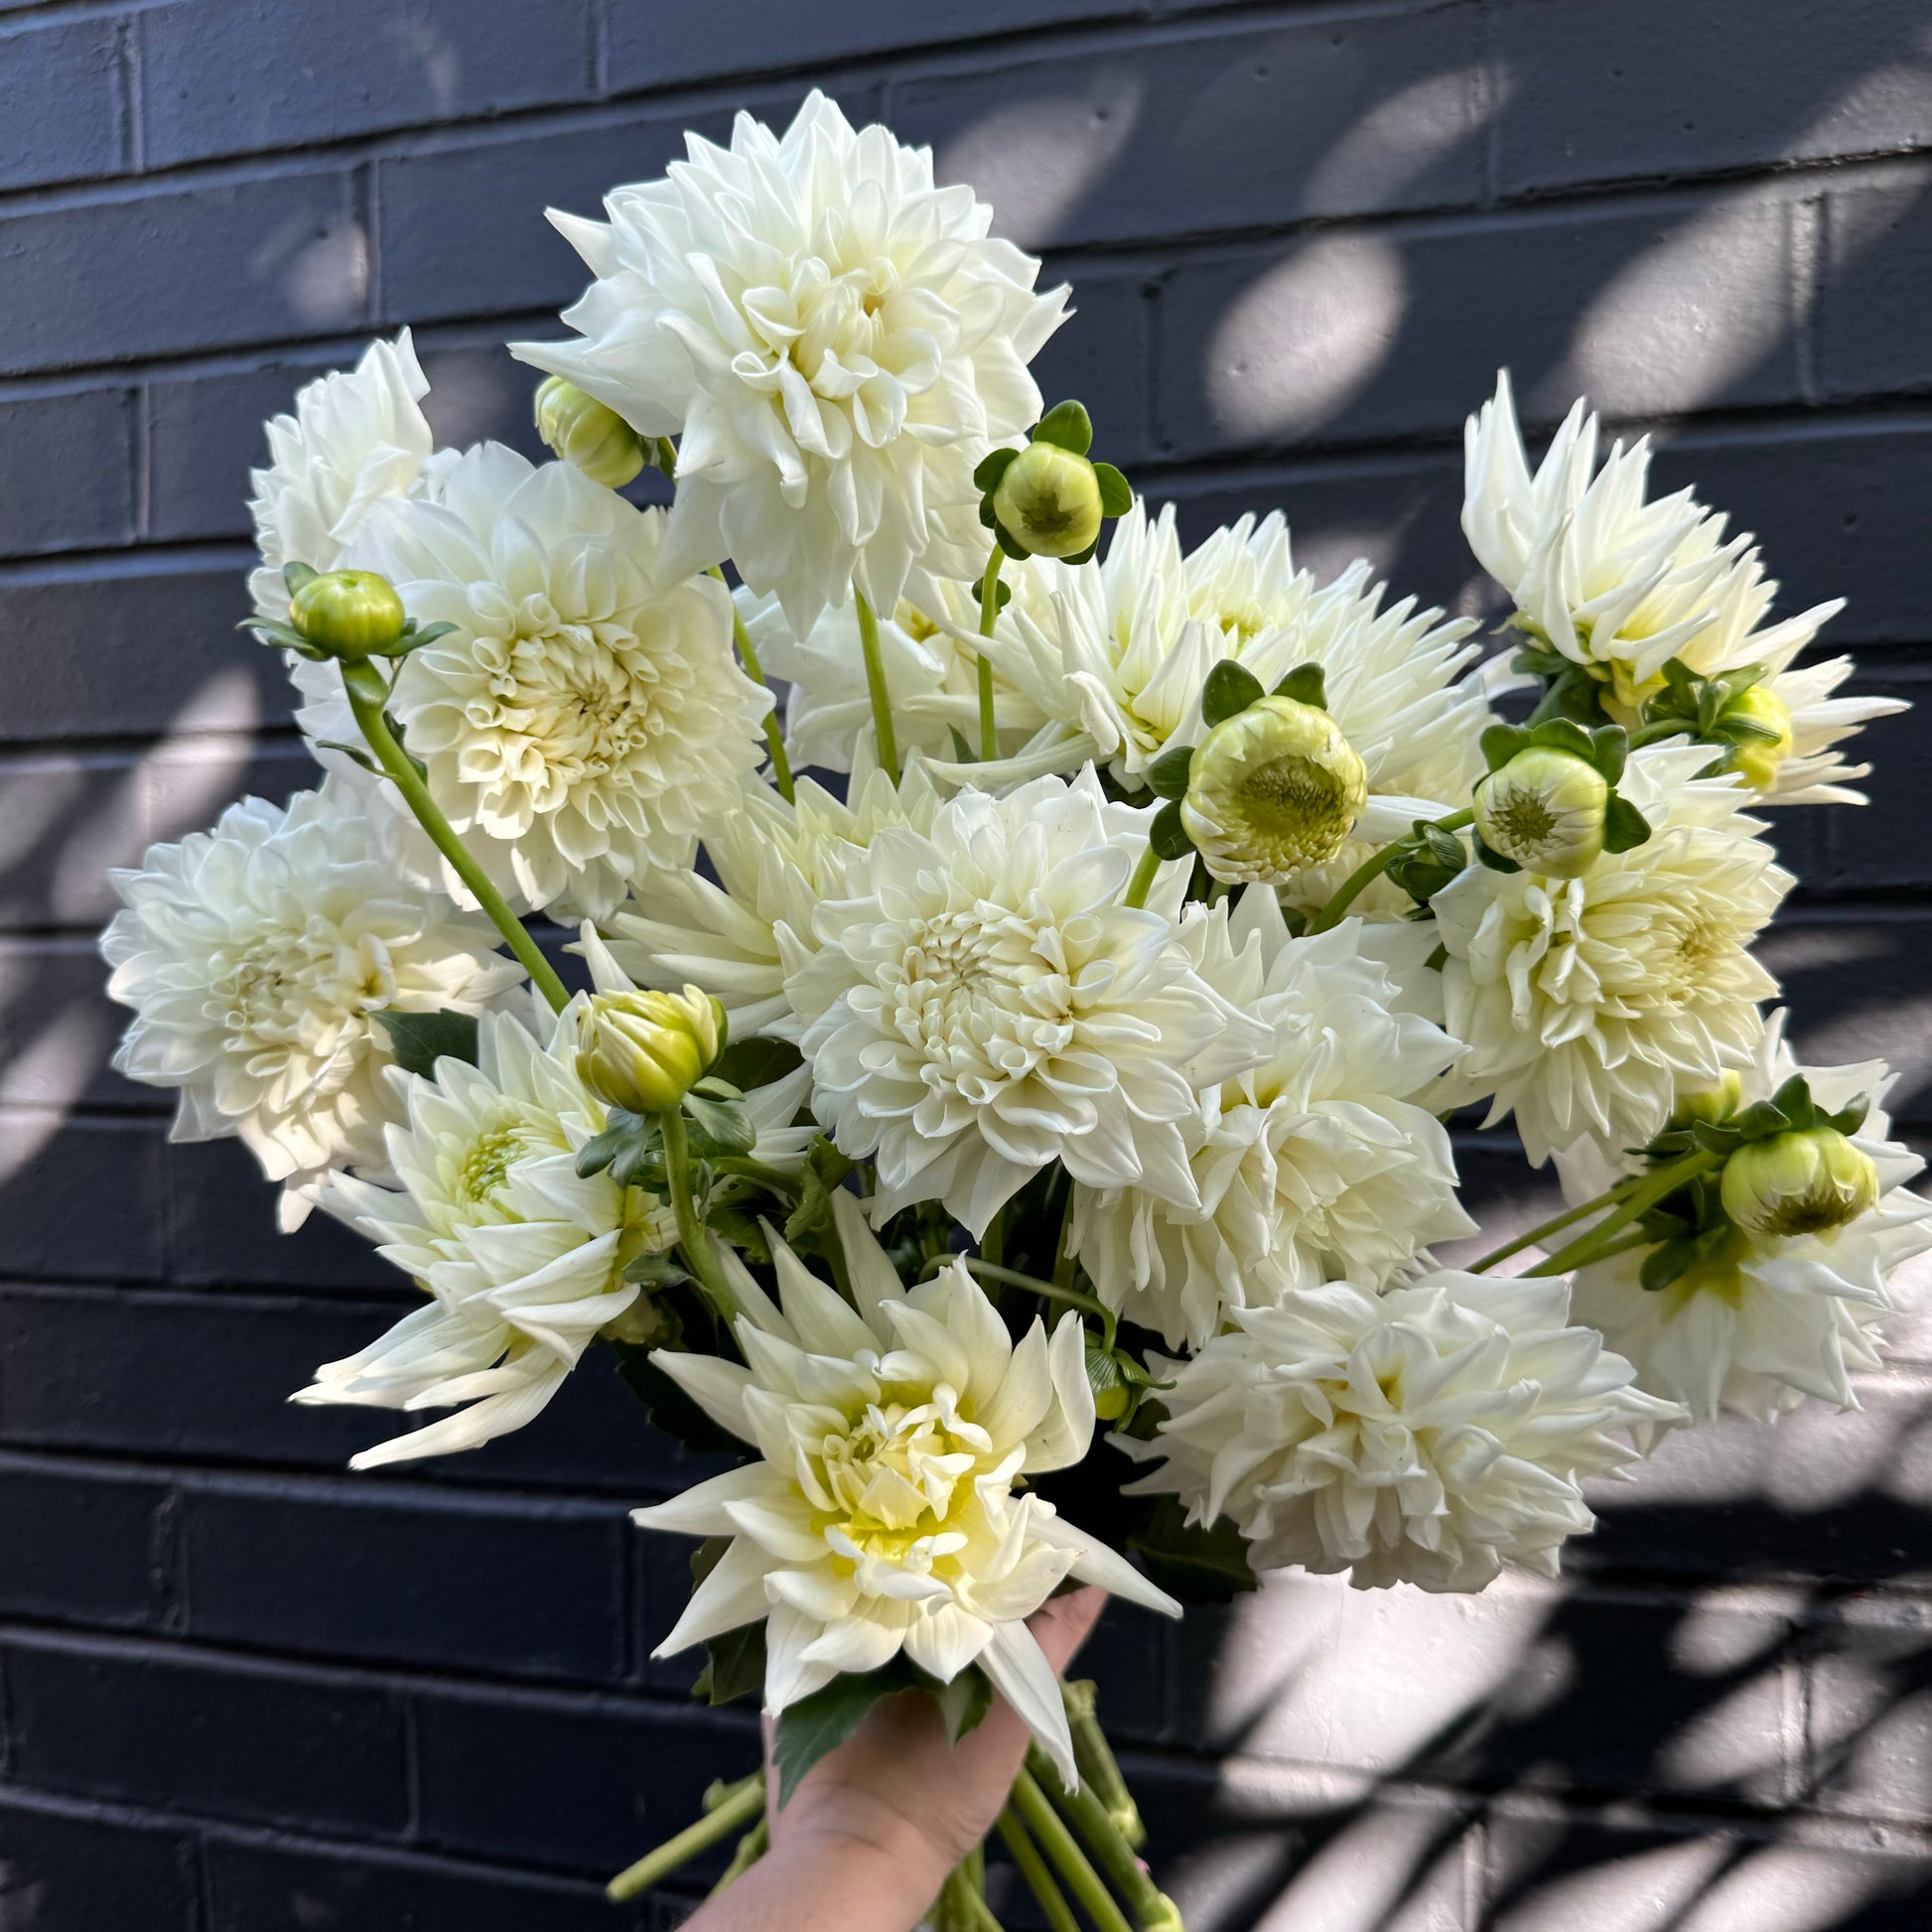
column 645, row 1051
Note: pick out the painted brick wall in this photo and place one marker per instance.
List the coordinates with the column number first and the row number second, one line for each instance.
column 243, row 1691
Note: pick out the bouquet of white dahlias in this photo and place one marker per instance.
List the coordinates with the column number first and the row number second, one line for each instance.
column 1073, row 1052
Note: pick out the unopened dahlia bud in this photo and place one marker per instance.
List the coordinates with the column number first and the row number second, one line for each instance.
column 1272, row 790
column 1758, row 758
column 587, row 434
column 645, row 1051
column 350, row 614
column 1545, row 809
column 1802, row 1182
column 1709, row 1104
column 1050, row 499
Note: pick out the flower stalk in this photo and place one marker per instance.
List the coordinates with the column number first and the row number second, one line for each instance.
column 367, row 698
column 882, row 698
column 1556, row 1224
column 1050, row 1831
column 1591, row 1244
column 1099, row 1768
column 1369, row 871
column 692, row 1236
column 1141, row 882
column 736, row 1808
column 1038, row 1873
column 750, row 1849
column 1152, row 1909
column 774, row 742
column 989, row 613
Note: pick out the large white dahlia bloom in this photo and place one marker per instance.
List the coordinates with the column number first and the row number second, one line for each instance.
column 255, row 957
column 886, row 1512
column 836, row 342
column 586, row 717
column 1768, row 1320
column 356, row 437
column 523, row 1258
column 1426, row 1434
column 1315, row 1165
column 1587, row 1002
column 989, row 1006
column 740, row 936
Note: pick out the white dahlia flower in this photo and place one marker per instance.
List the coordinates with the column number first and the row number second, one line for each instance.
column 356, row 438
column 1426, row 1434
column 887, row 1513
column 522, row 1257
column 1587, row 1002
column 256, row 956
column 1767, row 1320
column 1116, row 652
column 931, row 674
column 775, row 862
column 1621, row 584
column 1315, row 1165
column 836, row 342
column 989, row 1006
column 586, row 717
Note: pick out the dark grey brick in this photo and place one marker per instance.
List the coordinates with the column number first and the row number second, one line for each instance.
column 58, row 1028
column 580, row 1783
column 1850, row 857
column 241, row 75
column 82, row 1873
column 202, row 1733
column 1333, row 116
column 69, row 468
column 147, row 273
column 1645, row 87
column 1102, row 356
column 126, row 651
column 85, row 1546
column 1875, row 284
column 288, row 1888
column 354, row 1568
column 57, row 1177
column 1390, row 332
column 60, row 101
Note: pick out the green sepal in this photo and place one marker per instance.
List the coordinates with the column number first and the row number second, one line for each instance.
column 1116, row 492
column 1010, row 544
column 1229, row 690
column 992, row 467
column 1624, row 827
column 1500, row 743
column 1085, row 555
column 1104, row 1378
column 1491, row 858
column 296, row 575
column 1305, row 684
column 962, row 752
column 1850, row 1117
column 1067, row 425
column 357, row 752
column 416, row 1041
column 1168, row 835
column 1609, row 751
column 1197, row 1565
column 282, row 637
column 394, row 723
column 413, row 638
column 1166, row 776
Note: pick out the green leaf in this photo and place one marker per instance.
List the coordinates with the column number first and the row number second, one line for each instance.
column 1116, row 492
column 1445, row 847
column 355, row 751
column 1199, row 1565
column 964, row 1702
column 1305, row 684
column 1166, row 776
column 992, row 467
column 620, row 1130
column 1068, row 425
column 654, row 1271
column 419, row 1040
column 1229, row 690
column 394, row 723
column 743, row 1232
column 821, row 1723
column 823, row 1171
column 962, row 752
column 734, row 1665
column 1501, row 743
column 669, row 1408
column 723, row 1125
column 749, row 1063
column 1168, row 835
column 1624, row 827
column 1493, row 860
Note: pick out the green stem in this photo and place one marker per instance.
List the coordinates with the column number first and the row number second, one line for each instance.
column 1099, row 1768
column 773, row 738
column 1065, row 1262
column 1037, row 1872
column 368, row 695
column 1555, row 1225
column 699, row 1255
column 750, row 1849
column 989, row 611
column 1072, row 1297
column 1369, row 871
column 1640, row 1201
column 743, row 1802
column 1141, row 882
column 881, row 699
column 1152, row 1909
column 1060, row 1845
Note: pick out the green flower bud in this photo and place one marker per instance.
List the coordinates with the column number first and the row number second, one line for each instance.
column 1709, row 1104
column 645, row 1051
column 350, row 614
column 1545, row 809
column 1272, row 790
column 1803, row 1182
column 588, row 433
column 1758, row 758
column 1050, row 499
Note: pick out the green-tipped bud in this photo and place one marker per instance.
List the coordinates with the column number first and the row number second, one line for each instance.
column 349, row 614
column 1545, row 809
column 1758, row 758
column 1711, row 1105
column 587, row 434
column 1049, row 499
column 1272, row 790
column 645, row 1051
column 1805, row 1182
